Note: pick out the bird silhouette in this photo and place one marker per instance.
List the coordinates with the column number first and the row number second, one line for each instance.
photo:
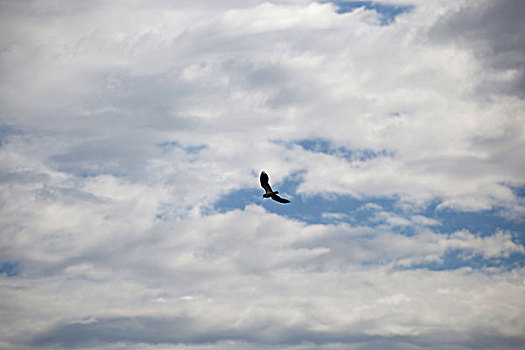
column 269, row 192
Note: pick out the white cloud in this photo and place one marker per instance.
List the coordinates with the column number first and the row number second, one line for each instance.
column 252, row 276
column 122, row 125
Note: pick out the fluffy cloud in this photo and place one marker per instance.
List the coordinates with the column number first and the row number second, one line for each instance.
column 168, row 78
column 250, row 276
column 122, row 125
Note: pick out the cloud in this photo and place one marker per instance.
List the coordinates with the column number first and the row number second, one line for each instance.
column 490, row 30
column 125, row 128
column 148, row 330
column 254, row 277
column 144, row 83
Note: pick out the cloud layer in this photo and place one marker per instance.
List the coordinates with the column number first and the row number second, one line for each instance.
column 125, row 127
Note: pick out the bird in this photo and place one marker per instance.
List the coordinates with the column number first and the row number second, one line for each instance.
column 269, row 192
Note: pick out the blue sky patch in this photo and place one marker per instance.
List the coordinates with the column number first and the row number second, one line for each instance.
column 375, row 212
column 518, row 190
column 9, row 268
column 384, row 214
column 318, row 145
column 455, row 259
column 483, row 222
column 388, row 12
column 318, row 209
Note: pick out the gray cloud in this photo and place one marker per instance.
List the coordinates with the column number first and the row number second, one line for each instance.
column 183, row 330
column 492, row 29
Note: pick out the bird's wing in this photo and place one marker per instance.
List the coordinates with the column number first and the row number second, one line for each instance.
column 264, row 182
column 279, row 199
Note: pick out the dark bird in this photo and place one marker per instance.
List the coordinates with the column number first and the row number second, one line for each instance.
column 269, row 192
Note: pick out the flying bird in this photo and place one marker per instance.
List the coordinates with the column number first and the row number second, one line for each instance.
column 269, row 192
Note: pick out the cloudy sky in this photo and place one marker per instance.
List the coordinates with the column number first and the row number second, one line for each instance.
column 132, row 135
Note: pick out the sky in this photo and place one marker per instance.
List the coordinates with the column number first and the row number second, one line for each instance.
column 133, row 133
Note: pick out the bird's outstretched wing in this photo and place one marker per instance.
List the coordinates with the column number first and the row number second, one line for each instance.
column 279, row 199
column 264, row 182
